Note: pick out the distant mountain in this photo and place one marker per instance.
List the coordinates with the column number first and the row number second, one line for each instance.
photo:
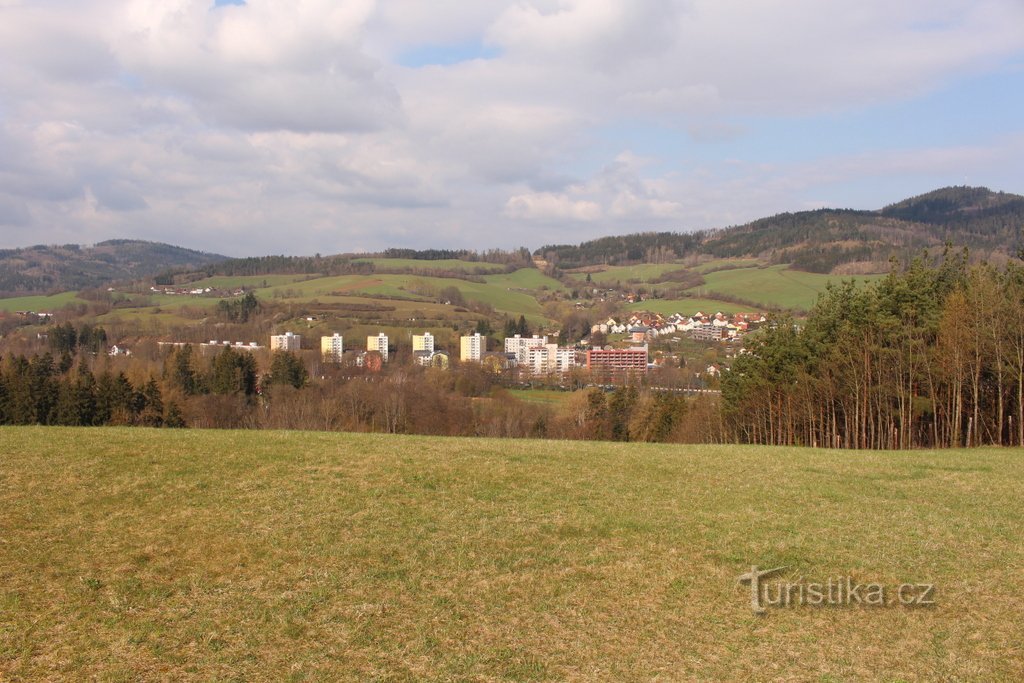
column 989, row 223
column 47, row 268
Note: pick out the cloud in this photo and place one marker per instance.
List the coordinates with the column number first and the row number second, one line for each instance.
column 298, row 126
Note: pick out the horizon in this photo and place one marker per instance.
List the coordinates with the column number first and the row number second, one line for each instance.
column 532, row 249
column 259, row 127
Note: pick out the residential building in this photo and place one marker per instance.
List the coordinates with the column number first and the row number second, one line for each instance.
column 472, row 347
column 285, row 342
column 423, row 342
column 216, row 346
column 331, row 348
column 609, row 364
column 380, row 344
column 521, row 345
column 706, row 333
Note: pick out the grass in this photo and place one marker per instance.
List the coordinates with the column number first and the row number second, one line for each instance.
column 131, row 554
column 438, row 265
column 39, row 304
column 622, row 274
column 774, row 285
column 543, row 396
column 689, row 306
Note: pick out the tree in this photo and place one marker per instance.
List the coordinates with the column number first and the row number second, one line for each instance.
column 233, row 372
column 173, row 417
column 179, row 371
column 288, row 369
column 152, row 413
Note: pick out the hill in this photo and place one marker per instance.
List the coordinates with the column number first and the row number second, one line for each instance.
column 48, row 268
column 134, row 554
column 823, row 241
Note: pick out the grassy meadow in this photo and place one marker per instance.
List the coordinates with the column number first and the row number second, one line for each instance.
column 40, row 304
column 134, row 554
column 772, row 285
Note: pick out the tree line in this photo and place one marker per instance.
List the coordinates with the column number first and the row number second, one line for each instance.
column 932, row 356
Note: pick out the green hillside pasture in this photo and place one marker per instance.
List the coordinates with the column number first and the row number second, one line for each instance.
column 717, row 264
column 131, row 554
column 254, row 281
column 438, row 265
column 644, row 272
column 498, row 293
column 689, row 306
column 529, row 279
column 772, row 286
column 39, row 304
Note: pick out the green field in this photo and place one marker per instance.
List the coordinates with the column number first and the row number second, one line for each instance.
column 132, row 554
column 39, row 304
column 772, row 285
column 716, row 264
column 689, row 306
column 440, row 264
column 643, row 272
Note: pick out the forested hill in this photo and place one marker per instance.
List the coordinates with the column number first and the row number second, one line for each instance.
column 46, row 268
column 988, row 223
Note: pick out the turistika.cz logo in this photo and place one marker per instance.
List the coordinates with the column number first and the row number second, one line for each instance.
column 834, row 592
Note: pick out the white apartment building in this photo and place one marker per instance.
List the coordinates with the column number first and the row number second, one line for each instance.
column 285, row 342
column 378, row 343
column 472, row 347
column 550, row 358
column 521, row 346
column 331, row 348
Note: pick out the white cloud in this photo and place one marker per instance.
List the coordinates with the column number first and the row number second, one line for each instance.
column 286, row 125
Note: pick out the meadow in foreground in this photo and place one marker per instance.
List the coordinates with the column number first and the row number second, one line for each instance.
column 130, row 554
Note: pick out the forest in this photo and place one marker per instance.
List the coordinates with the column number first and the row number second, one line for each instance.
column 930, row 356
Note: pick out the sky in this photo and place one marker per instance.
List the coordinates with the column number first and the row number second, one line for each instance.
column 327, row 126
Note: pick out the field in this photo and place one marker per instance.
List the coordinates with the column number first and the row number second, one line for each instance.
column 689, row 306
column 39, row 304
column 131, row 554
column 771, row 286
column 436, row 265
column 624, row 274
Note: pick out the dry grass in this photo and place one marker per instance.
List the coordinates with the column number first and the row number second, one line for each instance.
column 131, row 554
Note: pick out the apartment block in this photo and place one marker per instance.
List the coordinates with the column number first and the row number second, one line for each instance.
column 331, row 348
column 285, row 342
column 521, row 346
column 423, row 342
column 472, row 347
column 378, row 343
column 617, row 363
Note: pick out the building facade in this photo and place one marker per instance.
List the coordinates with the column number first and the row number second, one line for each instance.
column 331, row 348
column 379, row 344
column 472, row 347
column 285, row 342
column 423, row 342
column 522, row 345
column 615, row 364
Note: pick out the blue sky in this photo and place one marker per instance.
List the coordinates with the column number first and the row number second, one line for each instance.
column 271, row 126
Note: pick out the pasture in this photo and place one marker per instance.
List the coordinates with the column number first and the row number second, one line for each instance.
column 134, row 554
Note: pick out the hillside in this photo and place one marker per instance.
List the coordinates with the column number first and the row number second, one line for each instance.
column 140, row 554
column 48, row 268
column 823, row 241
